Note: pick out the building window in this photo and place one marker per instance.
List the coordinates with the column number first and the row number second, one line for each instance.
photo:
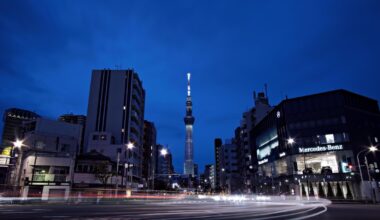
column 330, row 138
column 343, row 119
column 41, row 170
column 65, row 147
column 40, row 145
column 80, row 168
column 61, row 170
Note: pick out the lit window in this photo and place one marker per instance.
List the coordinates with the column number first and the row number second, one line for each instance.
column 329, row 138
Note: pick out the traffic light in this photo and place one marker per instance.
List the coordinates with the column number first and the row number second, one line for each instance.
column 350, row 166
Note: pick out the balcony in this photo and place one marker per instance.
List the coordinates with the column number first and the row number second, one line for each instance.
column 50, row 177
column 135, row 125
column 135, row 104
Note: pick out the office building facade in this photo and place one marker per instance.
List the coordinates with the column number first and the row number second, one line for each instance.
column 115, row 117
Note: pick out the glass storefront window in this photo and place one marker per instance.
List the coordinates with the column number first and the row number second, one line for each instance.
column 317, row 161
column 281, row 167
column 265, row 142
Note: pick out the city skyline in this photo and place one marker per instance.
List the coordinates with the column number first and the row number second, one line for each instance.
column 333, row 46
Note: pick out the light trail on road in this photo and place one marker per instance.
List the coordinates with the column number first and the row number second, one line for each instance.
column 190, row 207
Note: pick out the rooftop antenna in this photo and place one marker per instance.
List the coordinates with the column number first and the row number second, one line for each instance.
column 266, row 90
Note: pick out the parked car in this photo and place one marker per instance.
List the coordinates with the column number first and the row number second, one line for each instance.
column 307, row 170
column 326, row 170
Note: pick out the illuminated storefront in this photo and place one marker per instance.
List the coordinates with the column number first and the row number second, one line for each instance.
column 308, row 145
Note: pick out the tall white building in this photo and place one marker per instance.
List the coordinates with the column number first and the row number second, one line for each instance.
column 115, row 117
column 189, row 122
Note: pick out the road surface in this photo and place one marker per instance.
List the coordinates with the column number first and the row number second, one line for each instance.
column 189, row 209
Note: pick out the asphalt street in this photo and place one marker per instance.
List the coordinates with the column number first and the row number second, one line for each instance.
column 350, row 212
column 188, row 210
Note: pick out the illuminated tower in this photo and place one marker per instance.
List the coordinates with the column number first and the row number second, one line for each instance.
column 189, row 121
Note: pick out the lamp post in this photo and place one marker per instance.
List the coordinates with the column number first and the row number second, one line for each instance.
column 18, row 144
column 223, row 182
column 370, row 149
column 118, row 151
column 130, row 146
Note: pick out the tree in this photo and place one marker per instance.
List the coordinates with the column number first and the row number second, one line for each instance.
column 103, row 172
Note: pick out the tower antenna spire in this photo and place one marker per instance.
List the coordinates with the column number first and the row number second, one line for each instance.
column 188, row 84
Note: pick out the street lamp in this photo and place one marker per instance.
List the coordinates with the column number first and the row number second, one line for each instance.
column 130, row 145
column 291, row 141
column 18, row 143
column 370, row 149
column 164, row 152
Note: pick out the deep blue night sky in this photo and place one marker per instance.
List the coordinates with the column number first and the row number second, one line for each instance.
column 48, row 49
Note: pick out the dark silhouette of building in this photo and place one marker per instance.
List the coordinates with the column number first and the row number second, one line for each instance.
column 149, row 153
column 164, row 168
column 217, row 148
column 244, row 141
column 13, row 120
column 195, row 170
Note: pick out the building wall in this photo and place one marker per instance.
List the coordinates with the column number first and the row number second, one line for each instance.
column 149, row 155
column 218, row 162
column 47, row 144
column 52, row 164
column 164, row 164
column 79, row 120
column 250, row 119
column 230, row 178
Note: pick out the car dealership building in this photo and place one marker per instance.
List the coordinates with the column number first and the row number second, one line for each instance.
column 309, row 146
